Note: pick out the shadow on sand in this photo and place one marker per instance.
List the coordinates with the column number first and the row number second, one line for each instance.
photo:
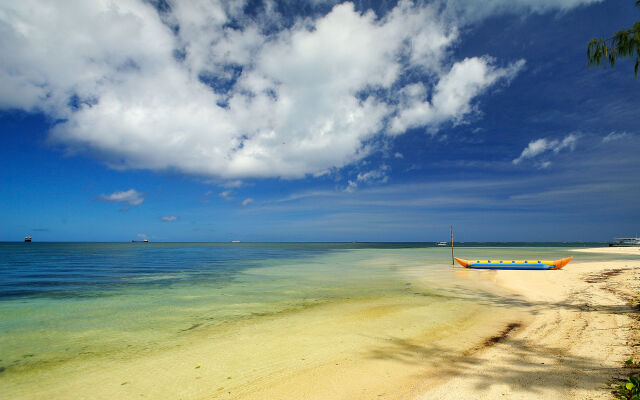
column 526, row 368
column 523, row 365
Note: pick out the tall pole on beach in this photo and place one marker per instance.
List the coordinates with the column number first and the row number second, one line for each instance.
column 451, row 230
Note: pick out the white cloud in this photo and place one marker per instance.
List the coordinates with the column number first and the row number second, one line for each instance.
column 543, row 145
column 452, row 95
column 544, row 164
column 615, row 136
column 233, row 184
column 130, row 197
column 533, row 149
column 472, row 11
column 169, row 218
column 351, row 186
column 247, row 201
column 376, row 175
column 234, row 102
column 226, row 195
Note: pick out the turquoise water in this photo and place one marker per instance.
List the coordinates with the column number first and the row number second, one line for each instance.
column 68, row 301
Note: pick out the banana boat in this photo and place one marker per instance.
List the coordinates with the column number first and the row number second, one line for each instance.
column 514, row 264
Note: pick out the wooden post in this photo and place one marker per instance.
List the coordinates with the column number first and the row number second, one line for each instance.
column 452, row 259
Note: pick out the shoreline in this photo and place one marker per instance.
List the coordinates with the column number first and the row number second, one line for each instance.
column 627, row 250
column 516, row 334
column 583, row 328
column 352, row 349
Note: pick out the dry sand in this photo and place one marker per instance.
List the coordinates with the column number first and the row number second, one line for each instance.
column 583, row 329
column 612, row 250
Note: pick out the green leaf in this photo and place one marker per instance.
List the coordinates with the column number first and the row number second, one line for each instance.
column 629, row 385
column 623, row 44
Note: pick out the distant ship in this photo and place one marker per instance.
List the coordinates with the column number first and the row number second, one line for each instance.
column 625, row 242
column 442, row 244
column 27, row 238
column 235, row 241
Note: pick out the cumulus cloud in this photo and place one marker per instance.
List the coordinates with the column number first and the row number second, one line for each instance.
column 169, row 218
column 543, row 145
column 130, row 197
column 201, row 88
column 452, row 96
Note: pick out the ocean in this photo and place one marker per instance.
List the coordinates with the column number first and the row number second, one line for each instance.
column 70, row 310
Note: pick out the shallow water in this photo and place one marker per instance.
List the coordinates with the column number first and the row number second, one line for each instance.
column 65, row 304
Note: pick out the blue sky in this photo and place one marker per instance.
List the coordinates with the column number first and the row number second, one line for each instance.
column 316, row 121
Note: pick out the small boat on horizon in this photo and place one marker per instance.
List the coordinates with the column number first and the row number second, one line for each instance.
column 27, row 238
column 625, row 242
column 514, row 264
column 441, row 244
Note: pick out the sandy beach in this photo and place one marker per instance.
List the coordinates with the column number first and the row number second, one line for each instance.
column 538, row 334
column 583, row 327
column 634, row 251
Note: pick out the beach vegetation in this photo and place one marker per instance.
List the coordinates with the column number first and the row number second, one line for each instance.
column 624, row 43
column 629, row 361
column 629, row 389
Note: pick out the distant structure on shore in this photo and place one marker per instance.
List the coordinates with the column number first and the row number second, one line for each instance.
column 625, row 242
column 442, row 244
column 138, row 241
column 27, row 238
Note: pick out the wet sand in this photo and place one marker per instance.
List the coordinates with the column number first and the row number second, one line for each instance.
column 359, row 349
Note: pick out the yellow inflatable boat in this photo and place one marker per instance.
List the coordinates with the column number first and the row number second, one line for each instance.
column 514, row 264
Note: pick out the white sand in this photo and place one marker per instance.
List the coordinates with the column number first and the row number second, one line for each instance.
column 583, row 328
column 611, row 250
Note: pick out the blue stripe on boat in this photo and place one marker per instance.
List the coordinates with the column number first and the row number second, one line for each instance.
column 514, row 266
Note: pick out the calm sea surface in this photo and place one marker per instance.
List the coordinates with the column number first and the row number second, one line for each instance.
column 65, row 301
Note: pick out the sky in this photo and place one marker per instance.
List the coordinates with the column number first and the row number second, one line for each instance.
column 208, row 120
